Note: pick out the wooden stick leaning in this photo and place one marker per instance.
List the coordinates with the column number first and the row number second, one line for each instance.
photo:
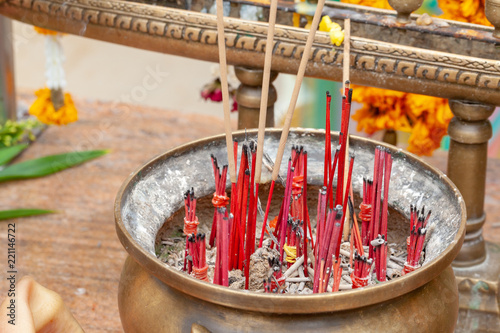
column 265, row 89
column 225, row 90
column 291, row 107
column 296, row 88
column 345, row 78
column 263, row 107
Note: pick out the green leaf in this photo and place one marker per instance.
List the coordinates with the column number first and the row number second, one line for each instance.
column 7, row 154
column 47, row 165
column 14, row 213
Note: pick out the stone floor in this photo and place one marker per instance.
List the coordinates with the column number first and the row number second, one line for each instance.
column 76, row 252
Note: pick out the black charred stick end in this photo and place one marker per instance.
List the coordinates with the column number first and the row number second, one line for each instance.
column 339, row 214
column 349, row 202
column 328, row 93
column 349, row 98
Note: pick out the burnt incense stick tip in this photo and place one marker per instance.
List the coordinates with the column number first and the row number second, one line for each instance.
column 328, row 93
column 349, row 94
column 347, row 82
column 247, row 172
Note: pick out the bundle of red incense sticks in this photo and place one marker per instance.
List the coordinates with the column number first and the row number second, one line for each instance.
column 234, row 235
column 190, row 223
column 220, row 198
column 243, row 210
column 377, row 230
column 415, row 242
column 197, row 256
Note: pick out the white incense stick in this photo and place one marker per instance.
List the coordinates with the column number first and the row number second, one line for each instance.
column 225, row 90
column 265, row 89
column 345, row 78
column 296, row 88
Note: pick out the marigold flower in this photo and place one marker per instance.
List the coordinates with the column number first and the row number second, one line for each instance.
column 334, row 29
column 471, row 11
column 44, row 31
column 44, row 110
column 425, row 117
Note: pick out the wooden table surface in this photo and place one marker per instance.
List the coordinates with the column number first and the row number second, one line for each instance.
column 76, row 252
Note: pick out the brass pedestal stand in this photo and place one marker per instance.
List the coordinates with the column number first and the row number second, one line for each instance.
column 477, row 267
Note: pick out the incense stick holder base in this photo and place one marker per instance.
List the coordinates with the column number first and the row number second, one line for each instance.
column 479, row 291
column 148, row 305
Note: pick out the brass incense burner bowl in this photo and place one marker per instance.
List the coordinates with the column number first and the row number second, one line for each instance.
column 154, row 297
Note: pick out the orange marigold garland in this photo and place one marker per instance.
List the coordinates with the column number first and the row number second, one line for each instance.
column 471, row 11
column 425, row 117
column 53, row 106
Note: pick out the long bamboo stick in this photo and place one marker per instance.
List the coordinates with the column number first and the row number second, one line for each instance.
column 265, row 89
column 296, row 88
column 345, row 74
column 225, row 90
column 291, row 108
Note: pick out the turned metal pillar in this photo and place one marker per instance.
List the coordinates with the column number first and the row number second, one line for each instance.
column 469, row 132
column 476, row 267
column 7, row 87
column 248, row 97
column 492, row 11
column 404, row 8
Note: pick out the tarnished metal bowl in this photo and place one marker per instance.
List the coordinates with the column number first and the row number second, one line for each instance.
column 156, row 298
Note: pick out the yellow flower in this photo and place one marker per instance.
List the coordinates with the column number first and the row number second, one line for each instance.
column 44, row 31
column 44, row 110
column 335, row 31
column 325, row 24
